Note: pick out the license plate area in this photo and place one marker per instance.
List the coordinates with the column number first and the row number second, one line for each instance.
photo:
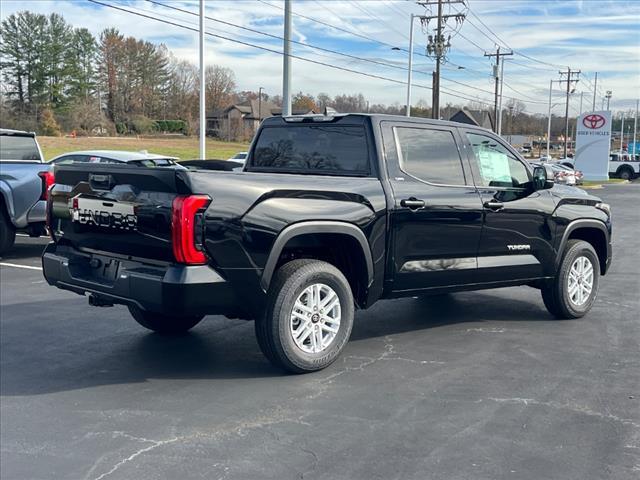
column 96, row 269
column 104, row 213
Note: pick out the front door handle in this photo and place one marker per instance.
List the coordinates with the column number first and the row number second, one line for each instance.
column 412, row 203
column 493, row 205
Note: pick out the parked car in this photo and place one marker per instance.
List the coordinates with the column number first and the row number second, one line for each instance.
column 623, row 165
column 239, row 157
column 562, row 174
column 24, row 180
column 304, row 235
column 142, row 158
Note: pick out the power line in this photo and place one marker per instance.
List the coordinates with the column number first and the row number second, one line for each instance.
column 353, row 57
column 379, row 77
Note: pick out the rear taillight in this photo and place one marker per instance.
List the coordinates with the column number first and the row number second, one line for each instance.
column 47, row 180
column 186, row 228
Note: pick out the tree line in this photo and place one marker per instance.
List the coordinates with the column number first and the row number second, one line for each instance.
column 58, row 78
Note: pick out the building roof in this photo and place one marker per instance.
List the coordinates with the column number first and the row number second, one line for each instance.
column 473, row 117
column 254, row 109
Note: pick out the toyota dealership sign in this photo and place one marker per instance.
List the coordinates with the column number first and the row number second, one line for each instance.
column 593, row 142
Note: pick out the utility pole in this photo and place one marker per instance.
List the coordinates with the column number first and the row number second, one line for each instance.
column 438, row 46
column 286, row 67
column 203, row 103
column 496, row 69
column 595, row 89
column 260, row 104
column 500, row 101
column 569, row 79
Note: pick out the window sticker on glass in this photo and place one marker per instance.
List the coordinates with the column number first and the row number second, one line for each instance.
column 494, row 166
column 94, row 159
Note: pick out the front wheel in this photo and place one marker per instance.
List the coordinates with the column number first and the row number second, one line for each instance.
column 165, row 324
column 573, row 291
column 308, row 318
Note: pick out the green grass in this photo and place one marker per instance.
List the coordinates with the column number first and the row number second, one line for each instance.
column 593, row 183
column 186, row 148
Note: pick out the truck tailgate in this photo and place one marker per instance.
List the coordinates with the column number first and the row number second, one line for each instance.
column 124, row 210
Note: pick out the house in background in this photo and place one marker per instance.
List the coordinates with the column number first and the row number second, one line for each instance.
column 241, row 120
column 473, row 117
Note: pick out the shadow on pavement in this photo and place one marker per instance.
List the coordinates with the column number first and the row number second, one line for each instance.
column 26, row 248
column 74, row 353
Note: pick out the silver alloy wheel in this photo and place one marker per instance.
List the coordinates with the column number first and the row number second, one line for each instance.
column 580, row 281
column 315, row 318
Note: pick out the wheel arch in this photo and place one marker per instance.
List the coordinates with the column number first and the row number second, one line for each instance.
column 593, row 232
column 323, row 232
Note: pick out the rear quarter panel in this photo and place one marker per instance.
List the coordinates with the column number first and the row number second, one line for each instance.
column 249, row 210
column 21, row 188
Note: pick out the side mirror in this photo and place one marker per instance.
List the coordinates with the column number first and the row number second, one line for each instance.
column 542, row 177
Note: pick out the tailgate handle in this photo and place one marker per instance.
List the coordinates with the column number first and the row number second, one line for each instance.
column 101, row 182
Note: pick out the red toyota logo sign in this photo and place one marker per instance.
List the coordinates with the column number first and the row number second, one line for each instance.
column 593, row 121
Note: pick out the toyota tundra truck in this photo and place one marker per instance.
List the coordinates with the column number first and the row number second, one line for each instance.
column 329, row 215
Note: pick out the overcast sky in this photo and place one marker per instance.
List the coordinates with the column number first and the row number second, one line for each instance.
column 587, row 35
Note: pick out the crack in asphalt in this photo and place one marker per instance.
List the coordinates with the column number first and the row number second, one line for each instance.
column 564, row 406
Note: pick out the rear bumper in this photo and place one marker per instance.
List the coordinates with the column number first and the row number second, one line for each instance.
column 168, row 289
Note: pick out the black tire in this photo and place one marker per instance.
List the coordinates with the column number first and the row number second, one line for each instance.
column 7, row 231
column 555, row 294
column 164, row 324
column 626, row 174
column 273, row 330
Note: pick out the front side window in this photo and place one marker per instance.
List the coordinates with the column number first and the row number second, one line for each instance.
column 319, row 149
column 498, row 167
column 430, row 155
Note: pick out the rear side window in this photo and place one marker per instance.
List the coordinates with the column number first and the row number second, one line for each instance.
column 430, row 155
column 16, row 147
column 322, row 149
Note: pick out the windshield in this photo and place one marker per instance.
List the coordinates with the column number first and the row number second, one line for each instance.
column 17, row 147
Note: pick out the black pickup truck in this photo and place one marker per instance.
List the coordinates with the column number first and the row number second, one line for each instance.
column 331, row 214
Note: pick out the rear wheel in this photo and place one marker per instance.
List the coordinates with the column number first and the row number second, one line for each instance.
column 572, row 292
column 7, row 231
column 165, row 324
column 626, row 174
column 308, row 318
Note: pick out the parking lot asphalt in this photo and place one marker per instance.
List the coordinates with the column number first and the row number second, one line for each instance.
column 477, row 385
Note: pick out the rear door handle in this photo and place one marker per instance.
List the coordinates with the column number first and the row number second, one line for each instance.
column 412, row 203
column 494, row 205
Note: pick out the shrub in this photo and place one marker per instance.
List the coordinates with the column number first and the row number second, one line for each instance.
column 48, row 124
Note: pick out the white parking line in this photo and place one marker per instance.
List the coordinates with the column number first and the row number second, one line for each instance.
column 15, row 265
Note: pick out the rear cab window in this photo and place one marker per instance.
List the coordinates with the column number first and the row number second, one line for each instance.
column 315, row 148
column 19, row 148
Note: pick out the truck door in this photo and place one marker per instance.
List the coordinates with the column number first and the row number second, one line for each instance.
column 516, row 240
column 436, row 214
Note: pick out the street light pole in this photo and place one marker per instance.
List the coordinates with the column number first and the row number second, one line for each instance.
column 203, row 104
column 408, row 108
column 622, row 133
column 286, row 68
column 549, row 121
column 635, row 128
